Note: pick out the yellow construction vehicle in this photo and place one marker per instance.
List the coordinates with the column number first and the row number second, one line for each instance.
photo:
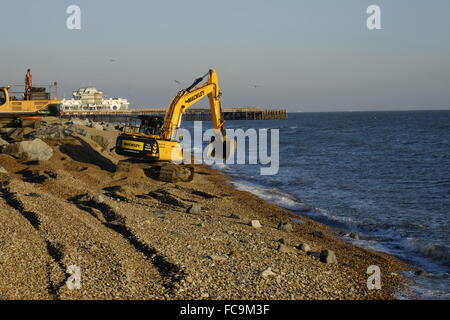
column 154, row 144
column 19, row 112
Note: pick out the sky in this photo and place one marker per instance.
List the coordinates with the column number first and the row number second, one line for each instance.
column 308, row 55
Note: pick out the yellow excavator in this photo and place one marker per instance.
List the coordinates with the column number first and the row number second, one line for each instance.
column 23, row 113
column 154, row 146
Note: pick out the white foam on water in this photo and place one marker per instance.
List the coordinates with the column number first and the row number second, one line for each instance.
column 385, row 240
column 273, row 195
column 435, row 252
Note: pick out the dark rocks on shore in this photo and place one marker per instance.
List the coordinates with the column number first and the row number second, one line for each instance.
column 328, row 257
column 351, row 235
column 354, row 236
column 314, row 254
column 285, row 226
column 422, row 273
column 318, row 234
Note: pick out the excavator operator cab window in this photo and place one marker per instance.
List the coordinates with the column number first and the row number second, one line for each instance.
column 151, row 126
column 2, row 97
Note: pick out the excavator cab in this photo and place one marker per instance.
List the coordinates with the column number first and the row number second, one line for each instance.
column 2, row 96
column 151, row 125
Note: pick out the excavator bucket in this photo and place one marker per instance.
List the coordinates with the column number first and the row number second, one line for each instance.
column 227, row 148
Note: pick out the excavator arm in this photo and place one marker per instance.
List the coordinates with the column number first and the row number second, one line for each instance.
column 190, row 96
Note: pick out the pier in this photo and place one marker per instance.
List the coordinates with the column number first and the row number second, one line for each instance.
column 248, row 113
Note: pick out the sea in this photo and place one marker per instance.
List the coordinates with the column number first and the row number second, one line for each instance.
column 384, row 176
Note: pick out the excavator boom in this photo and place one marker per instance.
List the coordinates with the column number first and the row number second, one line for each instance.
column 190, row 96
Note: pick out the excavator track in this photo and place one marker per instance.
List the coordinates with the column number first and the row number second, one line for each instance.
column 162, row 171
column 176, row 173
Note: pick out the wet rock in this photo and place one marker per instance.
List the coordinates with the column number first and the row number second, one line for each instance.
column 266, row 274
column 235, row 216
column 354, row 236
column 304, row 247
column 35, row 150
column 422, row 273
column 328, row 257
column 285, row 226
column 255, row 224
column 195, row 209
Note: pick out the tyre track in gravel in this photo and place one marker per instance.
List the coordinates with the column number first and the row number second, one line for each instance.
column 115, row 270
column 23, row 259
column 172, row 273
column 52, row 248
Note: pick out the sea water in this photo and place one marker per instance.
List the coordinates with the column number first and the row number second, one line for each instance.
column 382, row 175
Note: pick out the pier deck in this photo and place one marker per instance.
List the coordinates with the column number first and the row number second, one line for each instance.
column 250, row 113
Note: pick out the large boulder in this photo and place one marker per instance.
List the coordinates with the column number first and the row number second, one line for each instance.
column 97, row 126
column 35, row 150
column 79, row 122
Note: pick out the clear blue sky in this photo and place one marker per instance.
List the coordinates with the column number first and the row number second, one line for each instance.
column 314, row 55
